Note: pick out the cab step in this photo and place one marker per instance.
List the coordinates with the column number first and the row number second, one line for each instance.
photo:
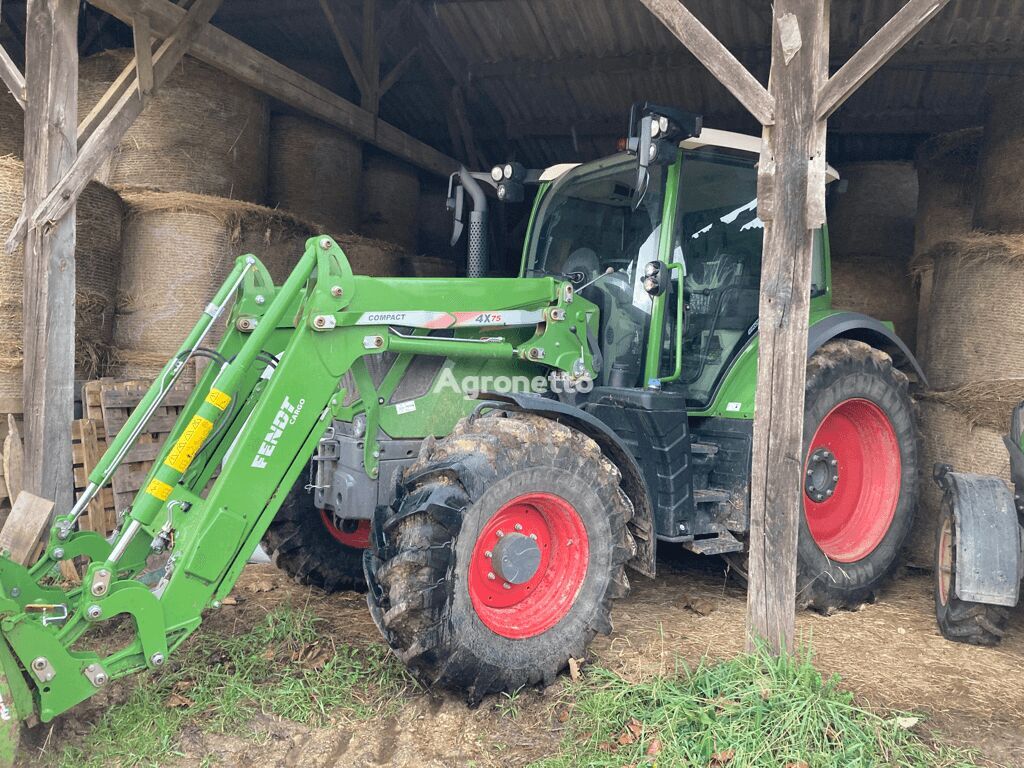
column 721, row 543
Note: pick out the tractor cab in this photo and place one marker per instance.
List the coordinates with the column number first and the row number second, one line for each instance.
column 594, row 227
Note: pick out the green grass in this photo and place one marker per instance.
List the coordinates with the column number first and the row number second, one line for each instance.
column 753, row 710
column 282, row 667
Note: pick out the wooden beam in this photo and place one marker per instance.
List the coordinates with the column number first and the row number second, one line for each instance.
column 111, row 130
column 249, row 66
column 48, row 334
column 715, row 56
column 355, row 67
column 115, row 91
column 887, row 41
column 12, row 77
column 799, row 56
column 143, row 55
column 398, row 70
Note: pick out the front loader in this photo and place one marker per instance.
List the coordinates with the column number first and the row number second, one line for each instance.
column 485, row 456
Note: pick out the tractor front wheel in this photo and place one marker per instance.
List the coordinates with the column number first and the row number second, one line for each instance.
column 860, row 474
column 961, row 620
column 308, row 545
column 503, row 550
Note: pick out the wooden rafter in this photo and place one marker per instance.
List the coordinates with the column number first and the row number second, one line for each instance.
column 907, row 22
column 12, row 77
column 370, row 98
column 398, row 70
column 114, row 126
column 355, row 66
column 716, row 57
column 143, row 42
column 257, row 70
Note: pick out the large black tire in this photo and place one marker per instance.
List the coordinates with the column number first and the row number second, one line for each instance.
column 427, row 566
column 960, row 620
column 300, row 544
column 848, row 379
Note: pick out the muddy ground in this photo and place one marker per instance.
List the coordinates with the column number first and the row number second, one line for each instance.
column 889, row 653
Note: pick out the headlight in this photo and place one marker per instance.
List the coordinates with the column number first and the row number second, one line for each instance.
column 497, row 173
column 508, row 170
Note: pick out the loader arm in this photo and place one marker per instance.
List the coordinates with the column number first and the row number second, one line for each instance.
column 273, row 387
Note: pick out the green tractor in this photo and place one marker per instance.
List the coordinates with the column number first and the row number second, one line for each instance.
column 485, row 456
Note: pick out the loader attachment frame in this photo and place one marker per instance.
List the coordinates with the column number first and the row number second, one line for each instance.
column 276, row 383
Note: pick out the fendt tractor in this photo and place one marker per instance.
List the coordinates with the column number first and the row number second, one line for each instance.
column 491, row 533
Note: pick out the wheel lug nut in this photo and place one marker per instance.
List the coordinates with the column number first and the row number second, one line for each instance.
column 519, row 526
column 835, row 478
column 533, row 536
column 810, row 472
column 499, row 533
column 488, row 554
column 833, row 462
column 491, row 576
column 828, row 492
column 506, row 585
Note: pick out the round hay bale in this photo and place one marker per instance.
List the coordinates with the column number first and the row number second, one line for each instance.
column 875, row 215
column 949, row 436
column 429, row 266
column 12, row 125
column 1000, row 205
column 947, row 170
column 202, row 133
column 315, row 171
column 391, row 199
column 375, row 258
column 97, row 266
column 159, row 299
column 974, row 332
column 878, row 286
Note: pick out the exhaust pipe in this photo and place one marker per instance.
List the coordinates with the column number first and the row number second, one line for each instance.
column 477, row 260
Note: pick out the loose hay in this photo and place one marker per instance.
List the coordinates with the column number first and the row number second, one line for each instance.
column 98, row 263
column 391, row 195
column 1000, row 206
column 315, row 170
column 959, row 428
column 203, row 132
column 976, row 317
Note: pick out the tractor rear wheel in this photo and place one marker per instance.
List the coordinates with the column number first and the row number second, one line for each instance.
column 961, row 620
column 503, row 551
column 860, row 474
column 308, row 545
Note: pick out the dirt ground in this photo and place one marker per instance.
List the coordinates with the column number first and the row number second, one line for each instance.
column 889, row 653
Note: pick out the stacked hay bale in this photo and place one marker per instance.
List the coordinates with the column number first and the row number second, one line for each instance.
column 202, row 133
column 947, row 167
column 391, row 200
column 97, row 265
column 974, row 350
column 12, row 125
column 315, row 170
column 871, row 237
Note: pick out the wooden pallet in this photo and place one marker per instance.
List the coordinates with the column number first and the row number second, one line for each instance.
column 88, row 442
column 117, row 401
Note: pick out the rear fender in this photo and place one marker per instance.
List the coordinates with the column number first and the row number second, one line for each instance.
column 989, row 561
column 642, row 524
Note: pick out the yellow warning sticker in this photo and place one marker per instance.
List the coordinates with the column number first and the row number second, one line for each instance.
column 185, row 450
column 159, row 489
column 218, row 399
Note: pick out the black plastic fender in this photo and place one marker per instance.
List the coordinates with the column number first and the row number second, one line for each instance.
column 633, row 483
column 853, row 325
column 989, row 561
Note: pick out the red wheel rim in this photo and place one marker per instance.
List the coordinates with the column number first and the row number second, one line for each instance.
column 551, row 527
column 852, row 480
column 357, row 539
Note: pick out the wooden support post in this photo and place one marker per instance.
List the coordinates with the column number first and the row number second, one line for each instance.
column 143, row 56
column 799, row 65
column 355, row 66
column 51, row 77
column 108, row 134
column 12, row 77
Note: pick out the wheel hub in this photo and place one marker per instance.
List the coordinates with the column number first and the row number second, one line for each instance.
column 822, row 475
column 516, row 558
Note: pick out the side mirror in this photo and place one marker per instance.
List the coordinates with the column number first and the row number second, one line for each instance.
column 456, row 202
column 656, row 278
